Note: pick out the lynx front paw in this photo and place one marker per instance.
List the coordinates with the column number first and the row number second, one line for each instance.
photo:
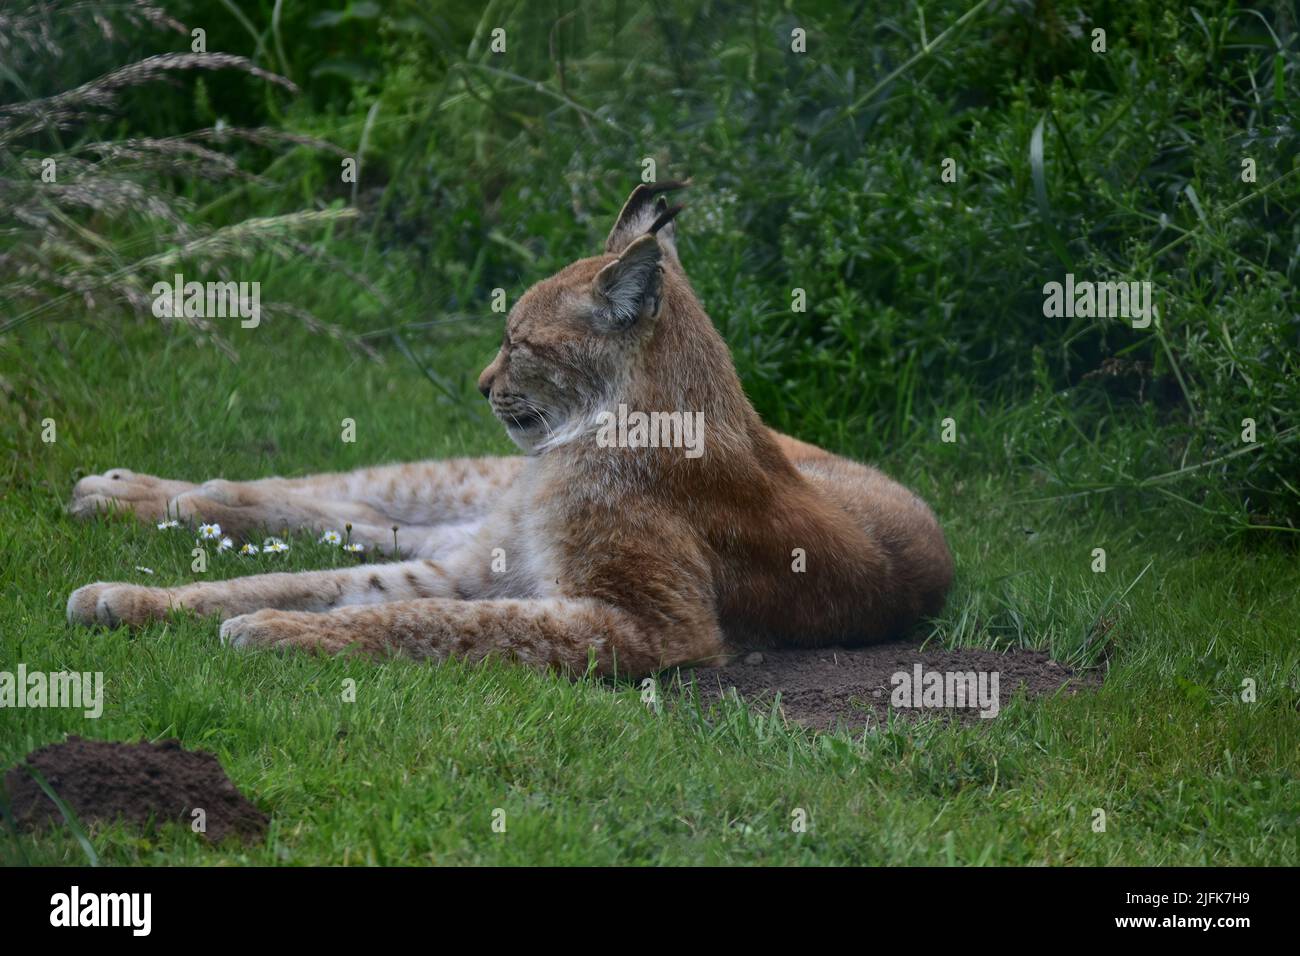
column 247, row 630
column 285, row 629
column 109, row 605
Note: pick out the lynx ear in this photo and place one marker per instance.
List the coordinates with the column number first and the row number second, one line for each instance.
column 629, row 287
column 646, row 211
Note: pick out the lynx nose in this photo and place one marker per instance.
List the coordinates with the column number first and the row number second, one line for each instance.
column 485, row 387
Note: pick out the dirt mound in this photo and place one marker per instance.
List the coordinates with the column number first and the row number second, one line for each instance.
column 103, row 780
column 833, row 687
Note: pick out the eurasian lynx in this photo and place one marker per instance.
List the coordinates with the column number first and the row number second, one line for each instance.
column 637, row 558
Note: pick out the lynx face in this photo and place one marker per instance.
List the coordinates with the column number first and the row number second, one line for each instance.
column 570, row 344
column 551, row 366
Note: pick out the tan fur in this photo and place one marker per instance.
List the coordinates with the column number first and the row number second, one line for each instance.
column 632, row 559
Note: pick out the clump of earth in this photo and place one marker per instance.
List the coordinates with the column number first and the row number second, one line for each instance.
column 827, row 688
column 146, row 784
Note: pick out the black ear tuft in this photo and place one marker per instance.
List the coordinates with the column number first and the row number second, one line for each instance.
column 665, row 216
column 642, row 213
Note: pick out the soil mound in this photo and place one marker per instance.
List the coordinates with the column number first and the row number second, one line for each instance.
column 144, row 784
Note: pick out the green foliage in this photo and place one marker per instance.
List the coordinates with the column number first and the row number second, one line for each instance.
column 821, row 171
column 817, row 171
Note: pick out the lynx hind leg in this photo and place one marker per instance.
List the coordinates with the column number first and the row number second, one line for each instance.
column 245, row 509
column 120, row 489
column 238, row 507
column 242, row 509
column 418, row 494
column 423, row 492
column 901, row 522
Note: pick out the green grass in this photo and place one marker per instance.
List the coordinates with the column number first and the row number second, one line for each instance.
column 413, row 770
column 923, row 302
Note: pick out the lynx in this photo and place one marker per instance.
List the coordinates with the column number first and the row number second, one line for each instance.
column 619, row 557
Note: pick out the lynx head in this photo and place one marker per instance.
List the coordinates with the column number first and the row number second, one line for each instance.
column 573, row 341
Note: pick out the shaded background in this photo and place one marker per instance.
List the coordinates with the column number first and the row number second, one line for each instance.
column 818, row 171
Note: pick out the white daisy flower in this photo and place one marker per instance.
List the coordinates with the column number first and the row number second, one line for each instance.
column 211, row 531
column 225, row 545
column 331, row 537
column 164, row 525
column 354, row 548
column 144, row 570
column 249, row 549
column 274, row 546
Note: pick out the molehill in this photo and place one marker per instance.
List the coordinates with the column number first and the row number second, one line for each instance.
column 144, row 784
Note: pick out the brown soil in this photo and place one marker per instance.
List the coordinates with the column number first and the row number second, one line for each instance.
column 831, row 687
column 143, row 784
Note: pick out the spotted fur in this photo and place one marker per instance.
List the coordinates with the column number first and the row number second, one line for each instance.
column 575, row 554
